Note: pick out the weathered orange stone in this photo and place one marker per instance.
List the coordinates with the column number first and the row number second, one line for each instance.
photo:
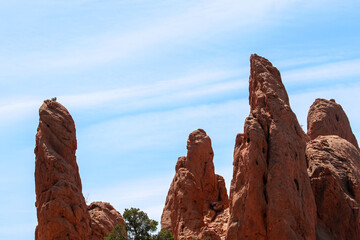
column 197, row 197
column 270, row 194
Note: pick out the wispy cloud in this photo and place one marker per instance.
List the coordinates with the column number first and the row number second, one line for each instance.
column 17, row 110
column 303, row 61
column 199, row 88
column 172, row 92
column 156, row 130
column 206, row 18
column 162, row 92
column 325, row 72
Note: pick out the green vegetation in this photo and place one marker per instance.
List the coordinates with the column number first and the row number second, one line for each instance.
column 164, row 235
column 118, row 233
column 138, row 226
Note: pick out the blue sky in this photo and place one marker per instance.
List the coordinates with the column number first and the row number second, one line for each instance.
column 138, row 76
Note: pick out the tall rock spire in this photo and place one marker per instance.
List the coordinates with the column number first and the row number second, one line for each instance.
column 270, row 195
column 197, row 201
column 61, row 209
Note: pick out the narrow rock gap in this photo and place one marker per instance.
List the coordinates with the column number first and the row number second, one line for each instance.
column 297, row 184
column 265, row 175
column 268, row 145
column 265, row 193
column 349, row 187
column 205, row 168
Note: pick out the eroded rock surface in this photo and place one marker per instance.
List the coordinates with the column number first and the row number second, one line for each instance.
column 197, row 196
column 334, row 169
column 326, row 117
column 104, row 218
column 61, row 208
column 270, row 195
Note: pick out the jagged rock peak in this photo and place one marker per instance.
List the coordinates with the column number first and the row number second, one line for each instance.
column 265, row 82
column 326, row 117
column 270, row 194
column 61, row 208
column 197, row 199
column 104, row 218
column 334, row 169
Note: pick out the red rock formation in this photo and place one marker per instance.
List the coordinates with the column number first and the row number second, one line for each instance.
column 61, row 208
column 334, row 169
column 104, row 218
column 328, row 118
column 197, row 196
column 270, row 195
column 216, row 230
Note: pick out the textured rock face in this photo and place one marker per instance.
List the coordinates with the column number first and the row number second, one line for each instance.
column 104, row 218
column 197, row 196
column 326, row 117
column 270, row 195
column 61, row 208
column 217, row 228
column 334, row 169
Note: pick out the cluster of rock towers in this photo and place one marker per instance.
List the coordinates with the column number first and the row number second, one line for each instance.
column 287, row 184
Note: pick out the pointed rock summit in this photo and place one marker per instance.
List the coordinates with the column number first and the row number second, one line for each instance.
column 61, row 208
column 270, row 196
column 326, row 117
column 197, row 199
